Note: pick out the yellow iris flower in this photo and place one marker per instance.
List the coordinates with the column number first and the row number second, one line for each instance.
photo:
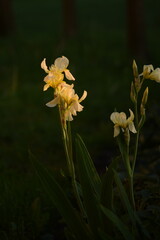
column 68, row 101
column 122, row 122
column 55, row 72
column 150, row 73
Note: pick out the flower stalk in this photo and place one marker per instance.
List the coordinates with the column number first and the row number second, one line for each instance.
column 68, row 103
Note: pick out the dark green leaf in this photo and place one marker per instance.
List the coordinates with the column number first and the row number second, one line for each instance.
column 104, row 236
column 87, row 180
column 89, row 166
column 60, row 200
column 107, row 185
column 118, row 223
column 131, row 213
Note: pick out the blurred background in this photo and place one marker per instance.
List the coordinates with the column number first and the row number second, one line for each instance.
column 101, row 39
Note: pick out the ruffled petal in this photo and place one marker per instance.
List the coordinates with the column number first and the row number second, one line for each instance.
column 79, row 107
column 68, row 116
column 61, row 63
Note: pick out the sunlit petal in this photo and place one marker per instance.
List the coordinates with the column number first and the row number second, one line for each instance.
column 131, row 117
column 53, row 103
column 83, row 96
column 155, row 75
column 46, row 86
column 68, row 75
column 61, row 63
column 44, row 66
column 114, row 117
column 147, row 69
column 132, row 127
column 116, row 130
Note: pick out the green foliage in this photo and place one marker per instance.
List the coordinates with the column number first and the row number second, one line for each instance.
column 60, row 200
column 119, row 224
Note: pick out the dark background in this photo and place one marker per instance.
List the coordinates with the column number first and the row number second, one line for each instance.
column 101, row 39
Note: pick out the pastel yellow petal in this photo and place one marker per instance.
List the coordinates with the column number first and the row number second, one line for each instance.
column 155, row 75
column 122, row 119
column 78, row 107
column 132, row 127
column 53, row 103
column 44, row 66
column 73, row 109
column 68, row 116
column 114, row 117
column 147, row 69
column 131, row 118
column 61, row 63
column 68, row 75
column 46, row 86
column 122, row 116
column 116, row 130
column 83, row 96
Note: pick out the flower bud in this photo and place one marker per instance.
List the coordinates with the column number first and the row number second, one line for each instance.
column 135, row 69
column 145, row 96
column 144, row 101
column 141, row 122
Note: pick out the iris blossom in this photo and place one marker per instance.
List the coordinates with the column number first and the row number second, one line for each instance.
column 122, row 122
column 68, row 102
column 55, row 72
column 150, row 73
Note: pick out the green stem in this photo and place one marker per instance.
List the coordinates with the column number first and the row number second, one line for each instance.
column 137, row 136
column 68, row 148
column 124, row 149
column 130, row 178
column 136, row 113
column 67, row 140
column 131, row 190
column 135, row 151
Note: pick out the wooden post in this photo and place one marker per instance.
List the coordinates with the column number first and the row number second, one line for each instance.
column 136, row 29
column 6, row 17
column 69, row 17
